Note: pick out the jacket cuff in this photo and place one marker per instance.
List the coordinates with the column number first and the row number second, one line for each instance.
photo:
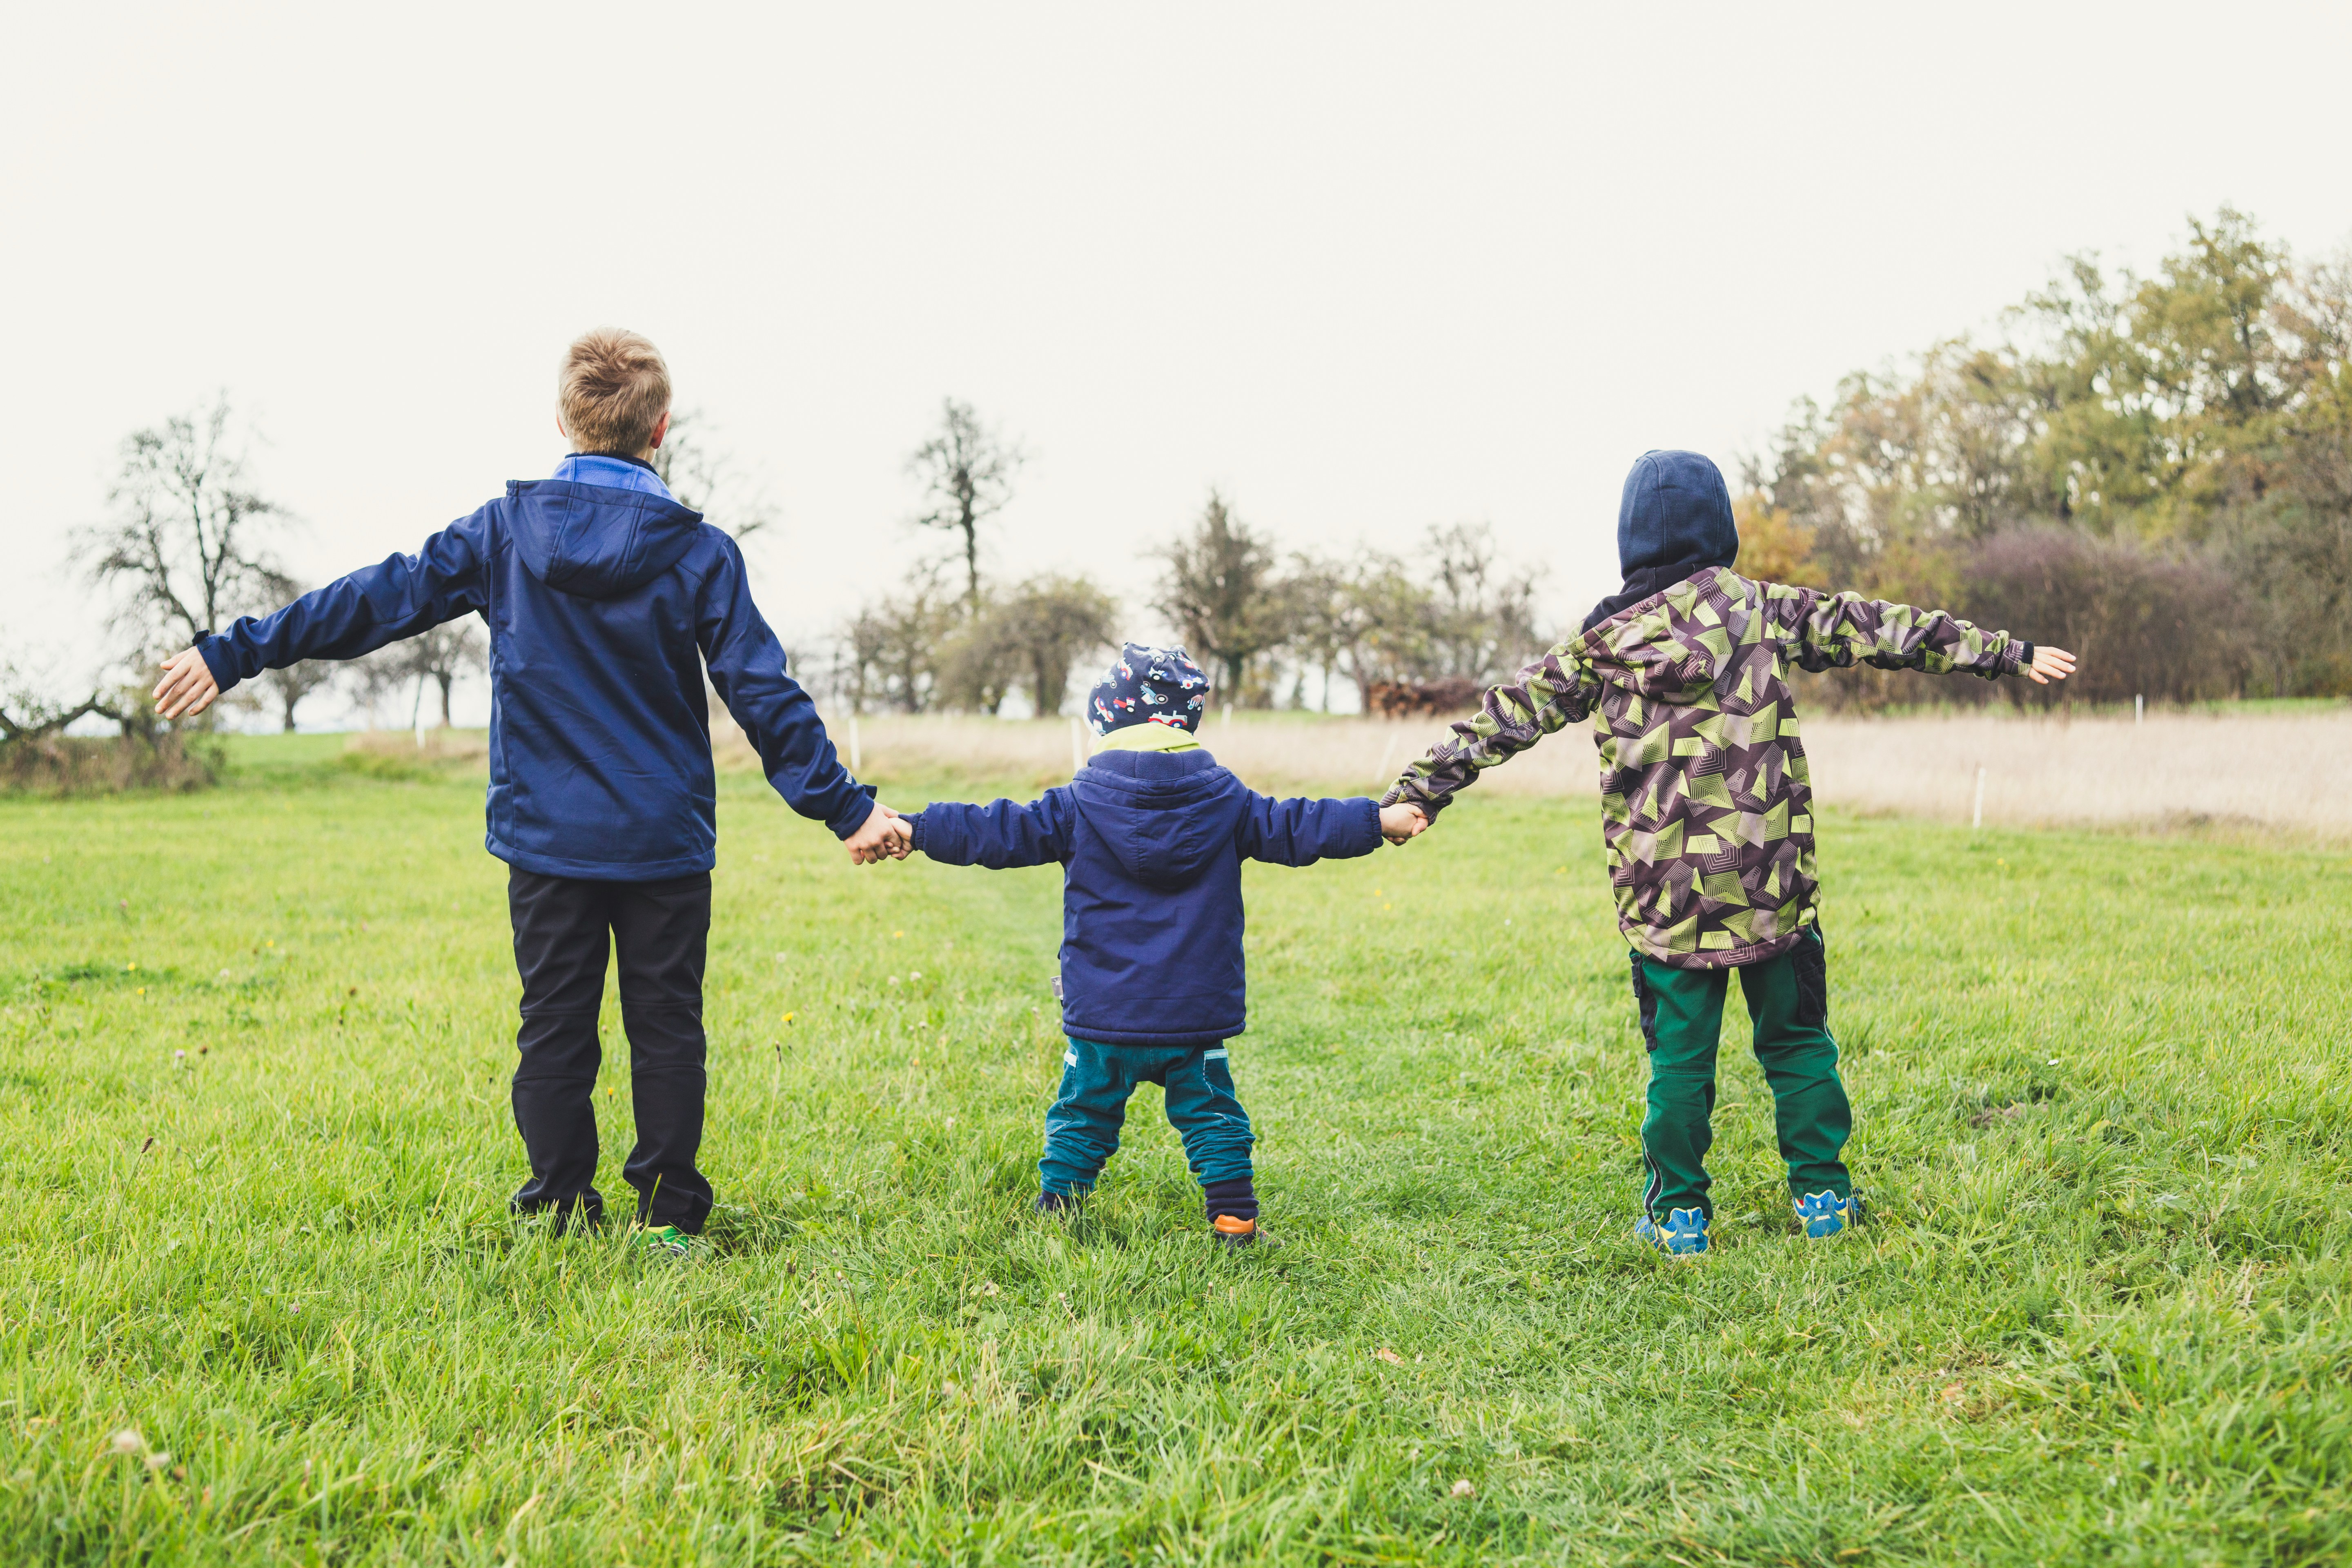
column 215, row 655
column 2024, row 656
column 854, row 815
column 915, row 824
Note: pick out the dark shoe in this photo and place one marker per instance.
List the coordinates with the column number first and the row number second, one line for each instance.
column 1233, row 1231
column 1057, row 1202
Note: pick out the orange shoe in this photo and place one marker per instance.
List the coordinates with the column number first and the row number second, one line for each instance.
column 1233, row 1230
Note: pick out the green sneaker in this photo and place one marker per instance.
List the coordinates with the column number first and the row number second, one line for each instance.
column 667, row 1241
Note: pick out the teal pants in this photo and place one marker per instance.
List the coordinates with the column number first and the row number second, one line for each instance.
column 1082, row 1130
column 1682, row 1021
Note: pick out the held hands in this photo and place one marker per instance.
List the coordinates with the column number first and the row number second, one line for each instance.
column 187, row 686
column 2050, row 664
column 884, row 836
column 1401, row 822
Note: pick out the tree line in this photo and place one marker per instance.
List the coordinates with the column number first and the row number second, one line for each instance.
column 2155, row 471
column 1273, row 628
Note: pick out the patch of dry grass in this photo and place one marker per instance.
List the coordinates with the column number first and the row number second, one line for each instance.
column 2268, row 774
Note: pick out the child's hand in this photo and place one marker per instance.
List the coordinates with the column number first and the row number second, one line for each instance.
column 187, row 686
column 1401, row 822
column 2050, row 664
column 884, row 834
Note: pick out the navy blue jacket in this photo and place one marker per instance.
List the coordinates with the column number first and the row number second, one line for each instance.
column 603, row 606
column 1151, row 845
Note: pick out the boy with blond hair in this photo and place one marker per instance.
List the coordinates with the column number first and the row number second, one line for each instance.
column 1706, row 814
column 606, row 601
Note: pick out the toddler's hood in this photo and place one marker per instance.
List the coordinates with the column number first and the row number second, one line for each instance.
column 1164, row 815
column 595, row 542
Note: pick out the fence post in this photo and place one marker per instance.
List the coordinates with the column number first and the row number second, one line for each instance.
column 1078, row 744
column 1977, row 825
column 856, row 758
column 2139, row 709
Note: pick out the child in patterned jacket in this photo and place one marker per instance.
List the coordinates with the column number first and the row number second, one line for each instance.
column 1706, row 814
column 1151, row 834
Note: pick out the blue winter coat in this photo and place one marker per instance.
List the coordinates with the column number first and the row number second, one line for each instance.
column 1151, row 845
column 603, row 606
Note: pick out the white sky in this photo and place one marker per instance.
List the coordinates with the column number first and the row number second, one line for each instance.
column 1365, row 268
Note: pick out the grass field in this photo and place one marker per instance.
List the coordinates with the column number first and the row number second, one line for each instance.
column 2101, row 1116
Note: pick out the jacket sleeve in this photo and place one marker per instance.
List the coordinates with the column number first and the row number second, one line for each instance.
column 396, row 598
column 1300, row 832
column 1557, row 691
column 1820, row 630
column 747, row 670
column 1000, row 835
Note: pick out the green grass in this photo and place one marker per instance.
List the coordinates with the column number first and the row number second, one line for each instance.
column 2101, row 1095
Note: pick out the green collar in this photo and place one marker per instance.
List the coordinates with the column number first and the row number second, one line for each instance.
column 1147, row 737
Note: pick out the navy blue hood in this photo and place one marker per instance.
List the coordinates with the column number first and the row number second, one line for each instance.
column 1152, row 843
column 606, row 606
column 597, row 543
column 1163, row 818
column 1675, row 514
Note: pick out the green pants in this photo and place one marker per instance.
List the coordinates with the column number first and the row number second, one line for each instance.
column 1082, row 1129
column 1682, row 1021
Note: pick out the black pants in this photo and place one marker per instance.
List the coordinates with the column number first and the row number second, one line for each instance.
column 660, row 930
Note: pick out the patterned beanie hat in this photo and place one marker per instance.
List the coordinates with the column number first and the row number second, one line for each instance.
column 1148, row 686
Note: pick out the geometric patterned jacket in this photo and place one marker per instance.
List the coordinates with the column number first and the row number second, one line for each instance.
column 1706, row 802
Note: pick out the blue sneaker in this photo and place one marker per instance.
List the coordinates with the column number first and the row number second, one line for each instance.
column 1682, row 1236
column 1826, row 1214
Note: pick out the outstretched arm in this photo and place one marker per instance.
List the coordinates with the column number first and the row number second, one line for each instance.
column 747, row 670
column 396, row 598
column 1557, row 691
column 1820, row 630
column 1300, row 832
column 1001, row 834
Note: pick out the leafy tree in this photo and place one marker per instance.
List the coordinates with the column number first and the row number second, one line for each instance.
column 1222, row 591
column 891, row 652
column 1056, row 621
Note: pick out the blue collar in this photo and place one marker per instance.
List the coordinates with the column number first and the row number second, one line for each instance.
column 613, row 473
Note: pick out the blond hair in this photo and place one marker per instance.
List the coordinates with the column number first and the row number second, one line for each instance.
column 612, row 391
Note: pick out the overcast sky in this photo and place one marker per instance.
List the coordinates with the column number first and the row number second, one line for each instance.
column 1365, row 269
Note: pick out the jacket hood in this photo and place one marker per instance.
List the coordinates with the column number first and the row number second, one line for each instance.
column 1163, row 815
column 1675, row 512
column 594, row 542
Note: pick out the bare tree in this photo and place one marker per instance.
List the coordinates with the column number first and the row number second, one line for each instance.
column 966, row 471
column 1481, row 612
column 1222, row 591
column 705, row 477
column 29, row 713
column 442, row 655
column 186, row 548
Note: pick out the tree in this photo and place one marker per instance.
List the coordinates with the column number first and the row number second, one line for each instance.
column 441, row 656
column 292, row 684
column 186, row 549
column 966, row 471
column 1480, row 612
column 705, row 477
column 1221, row 592
column 1054, row 621
column 891, row 650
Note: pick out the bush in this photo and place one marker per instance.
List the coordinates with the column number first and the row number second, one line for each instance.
column 141, row 759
